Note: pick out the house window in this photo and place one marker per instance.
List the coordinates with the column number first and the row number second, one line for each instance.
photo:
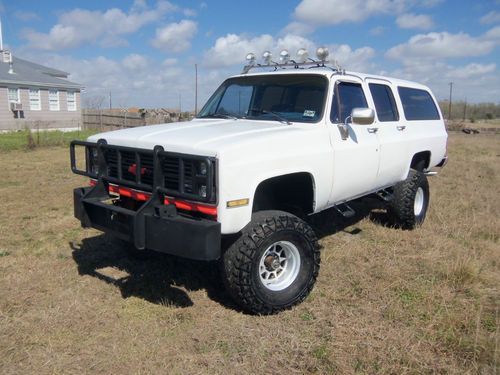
column 54, row 100
column 14, row 96
column 71, row 100
column 35, row 103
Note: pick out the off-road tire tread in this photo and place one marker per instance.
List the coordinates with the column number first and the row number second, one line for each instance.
column 400, row 210
column 237, row 259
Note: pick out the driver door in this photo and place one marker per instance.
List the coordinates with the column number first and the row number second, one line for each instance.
column 355, row 158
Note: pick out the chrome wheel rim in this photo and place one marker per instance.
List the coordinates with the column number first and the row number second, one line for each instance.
column 418, row 205
column 279, row 265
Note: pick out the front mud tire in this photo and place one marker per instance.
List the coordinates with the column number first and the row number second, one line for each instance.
column 273, row 265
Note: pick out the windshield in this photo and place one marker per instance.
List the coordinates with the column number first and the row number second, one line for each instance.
column 284, row 98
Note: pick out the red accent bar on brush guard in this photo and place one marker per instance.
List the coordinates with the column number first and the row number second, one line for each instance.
column 142, row 196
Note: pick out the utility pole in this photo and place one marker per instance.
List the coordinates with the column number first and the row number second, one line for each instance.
column 449, row 104
column 1, row 36
column 195, row 89
column 465, row 109
column 180, row 106
column 110, row 100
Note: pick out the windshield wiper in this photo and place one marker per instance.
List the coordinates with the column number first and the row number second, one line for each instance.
column 220, row 115
column 275, row 114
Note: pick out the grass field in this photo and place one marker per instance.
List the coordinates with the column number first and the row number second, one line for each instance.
column 386, row 301
column 22, row 140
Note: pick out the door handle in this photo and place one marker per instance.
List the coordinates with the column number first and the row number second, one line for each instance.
column 401, row 127
column 372, row 130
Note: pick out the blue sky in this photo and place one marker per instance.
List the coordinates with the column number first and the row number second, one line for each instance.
column 144, row 51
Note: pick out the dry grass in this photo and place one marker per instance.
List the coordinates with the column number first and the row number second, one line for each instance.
column 387, row 301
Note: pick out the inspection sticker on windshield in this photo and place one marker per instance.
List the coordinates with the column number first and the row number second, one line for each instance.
column 309, row 113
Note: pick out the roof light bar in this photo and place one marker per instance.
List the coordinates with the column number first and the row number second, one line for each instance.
column 266, row 57
column 322, row 53
column 251, row 59
column 302, row 55
column 284, row 56
column 285, row 61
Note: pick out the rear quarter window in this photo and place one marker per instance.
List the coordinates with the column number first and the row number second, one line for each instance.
column 418, row 104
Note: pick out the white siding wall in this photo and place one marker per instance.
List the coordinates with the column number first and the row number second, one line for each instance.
column 42, row 119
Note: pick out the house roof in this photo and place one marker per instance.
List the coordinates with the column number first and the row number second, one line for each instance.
column 32, row 74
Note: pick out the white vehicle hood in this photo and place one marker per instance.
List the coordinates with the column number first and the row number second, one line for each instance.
column 206, row 137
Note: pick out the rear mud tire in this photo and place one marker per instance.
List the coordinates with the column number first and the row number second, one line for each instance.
column 408, row 208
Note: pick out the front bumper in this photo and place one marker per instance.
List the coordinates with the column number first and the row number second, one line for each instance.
column 154, row 225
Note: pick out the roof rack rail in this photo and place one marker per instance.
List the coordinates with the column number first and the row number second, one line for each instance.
column 291, row 64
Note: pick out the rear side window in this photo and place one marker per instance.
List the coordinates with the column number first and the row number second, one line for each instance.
column 418, row 104
column 384, row 102
column 350, row 95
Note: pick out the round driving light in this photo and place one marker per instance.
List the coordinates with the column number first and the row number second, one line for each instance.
column 251, row 59
column 203, row 168
column 284, row 56
column 267, row 56
column 203, row 191
column 322, row 53
column 302, row 55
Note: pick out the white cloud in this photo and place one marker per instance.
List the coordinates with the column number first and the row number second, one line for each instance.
column 493, row 34
column 81, row 26
column 377, row 31
column 298, row 28
column 356, row 60
column 135, row 62
column 171, row 61
column 26, row 16
column 315, row 13
column 175, row 37
column 471, row 70
column 414, row 21
column 442, row 45
column 134, row 81
column 189, row 12
column 332, row 12
column 231, row 50
column 476, row 82
column 491, row 17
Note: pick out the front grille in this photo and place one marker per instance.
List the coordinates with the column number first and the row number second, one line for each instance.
column 180, row 173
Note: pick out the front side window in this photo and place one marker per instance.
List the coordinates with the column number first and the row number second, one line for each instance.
column 295, row 98
column 13, row 96
column 384, row 102
column 54, row 100
column 71, row 100
column 347, row 97
column 35, row 104
column 418, row 104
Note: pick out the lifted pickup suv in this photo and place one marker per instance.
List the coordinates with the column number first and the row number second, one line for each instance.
column 238, row 182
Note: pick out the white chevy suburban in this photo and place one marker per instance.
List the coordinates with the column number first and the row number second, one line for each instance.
column 271, row 147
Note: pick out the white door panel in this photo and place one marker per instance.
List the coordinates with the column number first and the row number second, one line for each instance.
column 356, row 162
column 355, row 159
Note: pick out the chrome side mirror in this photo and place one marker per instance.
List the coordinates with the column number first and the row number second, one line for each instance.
column 363, row 116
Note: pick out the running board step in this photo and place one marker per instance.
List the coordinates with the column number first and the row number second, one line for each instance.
column 345, row 210
column 385, row 195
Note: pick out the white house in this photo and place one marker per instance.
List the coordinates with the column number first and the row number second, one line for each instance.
column 36, row 96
